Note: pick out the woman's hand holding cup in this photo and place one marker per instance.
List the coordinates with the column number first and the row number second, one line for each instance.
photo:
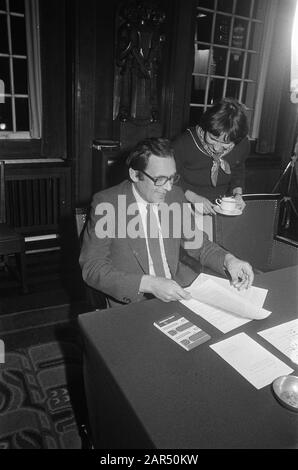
column 227, row 203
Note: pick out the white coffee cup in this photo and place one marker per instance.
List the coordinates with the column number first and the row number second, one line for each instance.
column 227, row 204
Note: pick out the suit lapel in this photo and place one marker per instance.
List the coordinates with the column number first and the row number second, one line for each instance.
column 138, row 244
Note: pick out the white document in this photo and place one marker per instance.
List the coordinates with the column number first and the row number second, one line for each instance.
column 221, row 304
column 284, row 337
column 255, row 295
column 213, row 294
column 252, row 361
column 223, row 321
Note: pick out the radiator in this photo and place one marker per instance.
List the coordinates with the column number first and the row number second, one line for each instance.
column 37, row 199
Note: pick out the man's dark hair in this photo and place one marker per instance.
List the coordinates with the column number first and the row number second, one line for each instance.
column 226, row 117
column 139, row 156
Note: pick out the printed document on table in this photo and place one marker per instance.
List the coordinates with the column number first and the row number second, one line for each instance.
column 223, row 321
column 252, row 361
column 213, row 294
column 226, row 308
column 284, row 337
column 255, row 295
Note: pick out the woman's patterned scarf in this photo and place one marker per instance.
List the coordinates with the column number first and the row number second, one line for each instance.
column 218, row 161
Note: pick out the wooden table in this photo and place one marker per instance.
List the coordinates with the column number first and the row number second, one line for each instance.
column 144, row 391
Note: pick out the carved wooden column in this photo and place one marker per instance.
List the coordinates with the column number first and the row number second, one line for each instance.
column 138, row 69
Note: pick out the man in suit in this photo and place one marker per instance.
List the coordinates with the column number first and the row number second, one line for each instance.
column 120, row 256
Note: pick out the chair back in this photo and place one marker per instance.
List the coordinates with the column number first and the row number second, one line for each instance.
column 250, row 236
column 96, row 299
column 108, row 164
column 2, row 193
column 284, row 253
column 81, row 215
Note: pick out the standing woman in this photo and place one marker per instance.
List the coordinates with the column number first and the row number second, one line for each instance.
column 210, row 157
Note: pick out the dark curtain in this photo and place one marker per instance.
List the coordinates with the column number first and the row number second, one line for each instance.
column 279, row 116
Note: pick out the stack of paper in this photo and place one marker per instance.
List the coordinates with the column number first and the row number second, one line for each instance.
column 226, row 308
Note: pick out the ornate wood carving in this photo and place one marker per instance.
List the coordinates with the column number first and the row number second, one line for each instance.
column 138, row 56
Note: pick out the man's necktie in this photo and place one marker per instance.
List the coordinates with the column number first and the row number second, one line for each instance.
column 153, row 242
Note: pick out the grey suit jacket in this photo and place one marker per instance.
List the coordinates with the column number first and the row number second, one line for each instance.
column 115, row 264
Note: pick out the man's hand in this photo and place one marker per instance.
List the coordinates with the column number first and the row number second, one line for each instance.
column 202, row 204
column 240, row 271
column 164, row 289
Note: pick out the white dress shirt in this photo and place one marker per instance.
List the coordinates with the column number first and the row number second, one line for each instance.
column 142, row 206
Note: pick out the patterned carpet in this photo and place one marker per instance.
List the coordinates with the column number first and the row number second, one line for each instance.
column 41, row 397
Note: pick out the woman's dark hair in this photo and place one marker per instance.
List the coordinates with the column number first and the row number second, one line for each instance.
column 139, row 156
column 226, row 117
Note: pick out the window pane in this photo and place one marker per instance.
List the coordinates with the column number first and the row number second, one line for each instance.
column 5, row 115
column 201, row 61
column 4, row 73
column 219, row 61
column 236, row 64
column 3, row 35
column 222, row 29
column 20, row 76
column 215, row 90
column 252, row 66
column 249, row 115
column 204, row 27
column 243, row 7
column 3, row 5
column 22, row 114
column 198, row 89
column 249, row 94
column 206, row 3
column 225, row 5
column 259, row 10
column 233, row 88
column 239, row 34
column 18, row 34
column 17, row 6
column 194, row 115
column 255, row 39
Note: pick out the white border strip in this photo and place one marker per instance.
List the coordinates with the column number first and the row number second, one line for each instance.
column 37, row 238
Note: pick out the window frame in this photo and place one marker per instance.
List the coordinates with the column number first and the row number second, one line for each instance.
column 263, row 49
column 53, row 140
column 14, row 134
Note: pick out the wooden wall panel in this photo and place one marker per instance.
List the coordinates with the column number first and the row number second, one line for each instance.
column 81, row 26
column 92, row 75
column 52, row 27
column 104, row 83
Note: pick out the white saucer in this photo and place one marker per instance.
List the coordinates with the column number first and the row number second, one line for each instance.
column 234, row 212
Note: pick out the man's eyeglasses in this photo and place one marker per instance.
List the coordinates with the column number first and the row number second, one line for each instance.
column 162, row 180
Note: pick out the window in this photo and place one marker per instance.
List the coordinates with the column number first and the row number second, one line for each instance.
column 20, row 88
column 228, row 53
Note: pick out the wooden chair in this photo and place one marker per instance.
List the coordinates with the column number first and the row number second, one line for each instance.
column 96, row 299
column 250, row 236
column 108, row 164
column 11, row 242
